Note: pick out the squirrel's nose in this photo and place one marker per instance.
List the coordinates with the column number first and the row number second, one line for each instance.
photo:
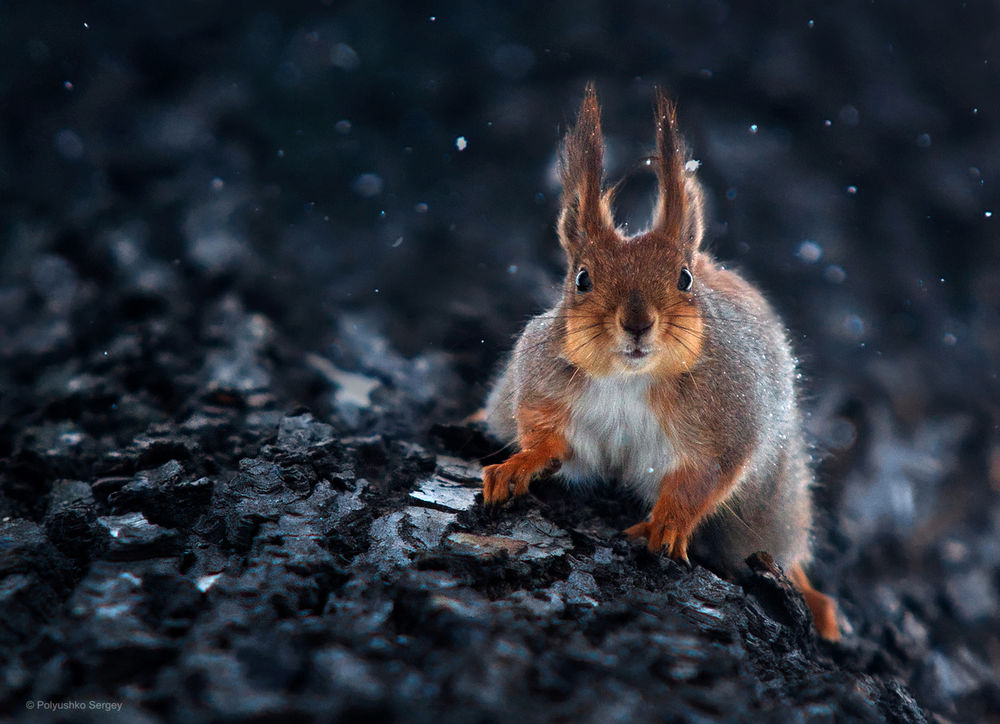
column 637, row 326
column 636, row 319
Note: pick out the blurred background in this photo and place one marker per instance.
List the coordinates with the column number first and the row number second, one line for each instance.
column 386, row 166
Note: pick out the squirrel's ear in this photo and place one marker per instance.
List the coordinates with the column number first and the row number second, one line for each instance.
column 585, row 209
column 693, row 226
column 679, row 205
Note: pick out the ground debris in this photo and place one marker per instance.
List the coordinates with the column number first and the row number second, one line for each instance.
column 240, row 455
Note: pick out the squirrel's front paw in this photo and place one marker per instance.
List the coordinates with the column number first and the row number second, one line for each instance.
column 659, row 536
column 503, row 480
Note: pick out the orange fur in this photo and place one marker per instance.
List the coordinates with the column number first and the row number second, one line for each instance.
column 595, row 321
column 824, row 608
column 655, row 310
column 586, row 209
column 687, row 495
column 682, row 331
column 584, row 344
column 540, row 437
column 671, row 206
column 477, row 416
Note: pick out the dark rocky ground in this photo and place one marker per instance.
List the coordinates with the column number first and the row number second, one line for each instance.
column 250, row 284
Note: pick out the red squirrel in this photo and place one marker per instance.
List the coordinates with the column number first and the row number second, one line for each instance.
column 664, row 371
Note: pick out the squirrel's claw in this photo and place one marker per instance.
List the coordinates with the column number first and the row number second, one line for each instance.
column 496, row 488
column 504, row 480
column 660, row 537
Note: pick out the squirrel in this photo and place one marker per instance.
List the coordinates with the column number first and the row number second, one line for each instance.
column 664, row 371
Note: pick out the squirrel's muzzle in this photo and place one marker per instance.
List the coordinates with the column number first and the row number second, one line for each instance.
column 636, row 317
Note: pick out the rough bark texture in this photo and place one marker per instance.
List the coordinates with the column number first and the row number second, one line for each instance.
column 258, row 261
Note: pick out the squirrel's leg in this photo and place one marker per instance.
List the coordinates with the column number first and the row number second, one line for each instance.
column 824, row 608
column 477, row 416
column 541, row 439
column 687, row 495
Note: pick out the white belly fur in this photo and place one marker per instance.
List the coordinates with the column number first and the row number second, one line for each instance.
column 614, row 435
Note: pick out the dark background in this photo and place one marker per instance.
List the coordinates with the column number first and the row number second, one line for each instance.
column 303, row 158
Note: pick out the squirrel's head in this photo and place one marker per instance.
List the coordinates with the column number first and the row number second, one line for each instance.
column 630, row 301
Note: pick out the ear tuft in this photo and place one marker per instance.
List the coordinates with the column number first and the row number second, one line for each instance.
column 669, row 163
column 693, row 225
column 585, row 208
column 679, row 198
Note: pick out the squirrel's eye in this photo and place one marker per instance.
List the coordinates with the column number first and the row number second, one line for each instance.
column 583, row 282
column 685, row 280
